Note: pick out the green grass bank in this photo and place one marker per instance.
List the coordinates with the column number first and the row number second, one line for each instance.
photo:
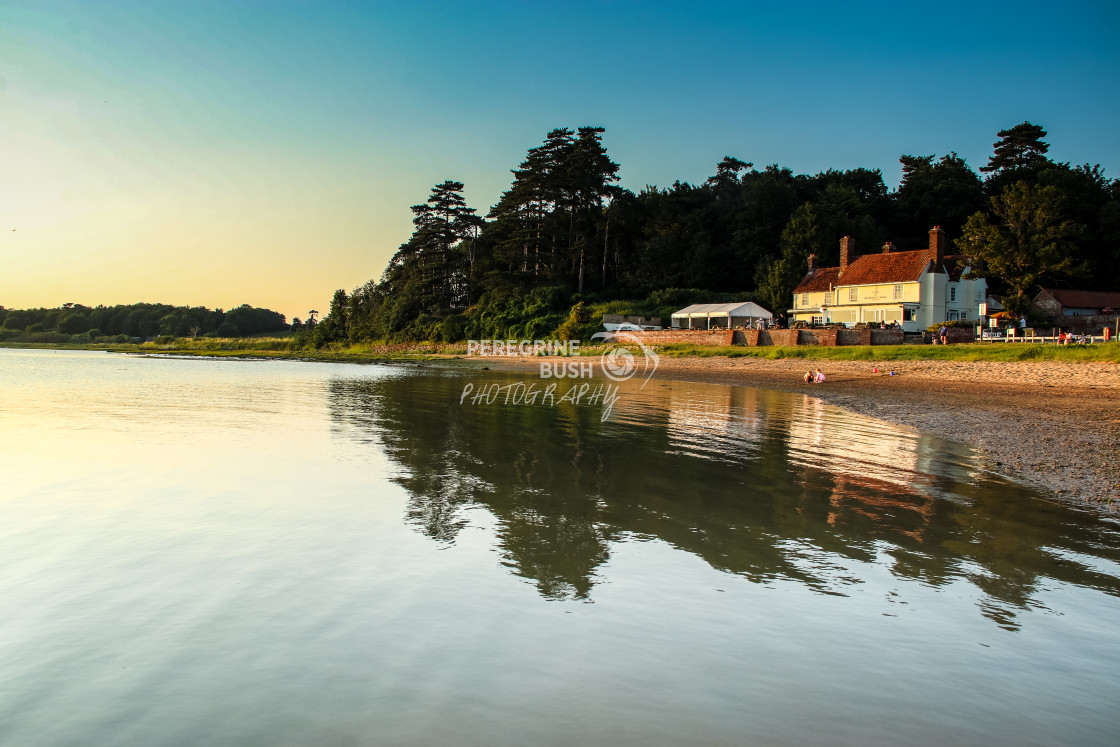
column 283, row 348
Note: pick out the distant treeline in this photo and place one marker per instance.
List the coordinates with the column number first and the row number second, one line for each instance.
column 564, row 238
column 136, row 320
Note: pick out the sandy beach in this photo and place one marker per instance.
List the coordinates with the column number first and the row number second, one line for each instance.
column 1053, row 425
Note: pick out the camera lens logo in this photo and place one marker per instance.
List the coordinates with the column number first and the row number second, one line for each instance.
column 620, row 363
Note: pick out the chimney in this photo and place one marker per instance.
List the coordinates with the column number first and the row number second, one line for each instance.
column 847, row 252
column 812, row 262
column 888, row 248
column 936, row 252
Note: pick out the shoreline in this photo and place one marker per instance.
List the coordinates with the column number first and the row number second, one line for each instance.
column 1052, row 425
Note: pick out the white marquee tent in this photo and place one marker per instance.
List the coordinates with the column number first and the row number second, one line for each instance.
column 719, row 315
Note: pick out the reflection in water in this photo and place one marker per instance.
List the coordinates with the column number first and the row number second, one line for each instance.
column 766, row 485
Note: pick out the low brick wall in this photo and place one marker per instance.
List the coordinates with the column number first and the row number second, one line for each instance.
column 887, row 336
column 748, row 337
column 687, row 336
column 825, row 337
column 784, row 337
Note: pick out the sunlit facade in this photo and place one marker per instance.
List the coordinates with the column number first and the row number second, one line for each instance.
column 914, row 289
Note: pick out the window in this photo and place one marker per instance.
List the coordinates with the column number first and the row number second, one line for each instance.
column 827, row 299
column 879, row 315
column 818, row 320
column 908, row 315
column 804, row 300
column 853, row 294
column 952, row 293
column 898, row 291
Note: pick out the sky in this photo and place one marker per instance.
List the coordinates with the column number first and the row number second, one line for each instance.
column 216, row 153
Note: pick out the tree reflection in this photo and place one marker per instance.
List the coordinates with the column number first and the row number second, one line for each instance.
column 766, row 485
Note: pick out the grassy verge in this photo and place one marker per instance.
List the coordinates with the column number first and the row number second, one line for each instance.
column 116, row 347
column 1100, row 352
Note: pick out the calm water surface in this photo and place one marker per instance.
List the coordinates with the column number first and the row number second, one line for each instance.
column 277, row 553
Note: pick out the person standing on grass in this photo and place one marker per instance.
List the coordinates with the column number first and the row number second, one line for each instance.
column 943, row 333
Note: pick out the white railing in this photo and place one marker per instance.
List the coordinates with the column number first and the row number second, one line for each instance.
column 1088, row 339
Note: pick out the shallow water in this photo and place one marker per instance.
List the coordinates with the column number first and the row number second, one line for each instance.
column 261, row 552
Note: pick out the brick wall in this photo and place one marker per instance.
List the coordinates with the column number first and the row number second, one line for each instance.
column 687, row 336
column 887, row 336
column 825, row 337
column 783, row 337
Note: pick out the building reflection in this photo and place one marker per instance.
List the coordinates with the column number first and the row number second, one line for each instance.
column 766, row 485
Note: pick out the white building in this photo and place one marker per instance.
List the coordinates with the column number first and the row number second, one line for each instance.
column 915, row 288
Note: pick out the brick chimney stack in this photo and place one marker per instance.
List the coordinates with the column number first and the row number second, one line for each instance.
column 812, row 262
column 888, row 248
column 847, row 252
column 936, row 252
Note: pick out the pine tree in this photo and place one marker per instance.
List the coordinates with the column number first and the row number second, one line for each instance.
column 1018, row 148
column 442, row 224
column 546, row 223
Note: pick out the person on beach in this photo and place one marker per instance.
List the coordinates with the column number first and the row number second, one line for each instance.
column 808, row 377
column 820, row 376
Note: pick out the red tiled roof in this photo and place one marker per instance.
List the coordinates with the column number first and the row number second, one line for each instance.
column 869, row 269
column 820, row 279
column 896, row 267
column 1079, row 299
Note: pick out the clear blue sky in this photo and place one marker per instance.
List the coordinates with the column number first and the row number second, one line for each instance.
column 267, row 152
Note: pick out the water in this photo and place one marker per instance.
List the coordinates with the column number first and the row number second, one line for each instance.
column 237, row 552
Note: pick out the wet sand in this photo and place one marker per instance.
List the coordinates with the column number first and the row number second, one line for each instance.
column 1050, row 424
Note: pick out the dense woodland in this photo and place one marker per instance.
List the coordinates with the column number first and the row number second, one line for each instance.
column 74, row 321
column 565, row 241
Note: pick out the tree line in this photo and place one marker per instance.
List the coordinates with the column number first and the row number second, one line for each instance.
column 565, row 234
column 136, row 320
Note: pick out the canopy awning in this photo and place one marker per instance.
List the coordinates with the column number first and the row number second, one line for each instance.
column 743, row 309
